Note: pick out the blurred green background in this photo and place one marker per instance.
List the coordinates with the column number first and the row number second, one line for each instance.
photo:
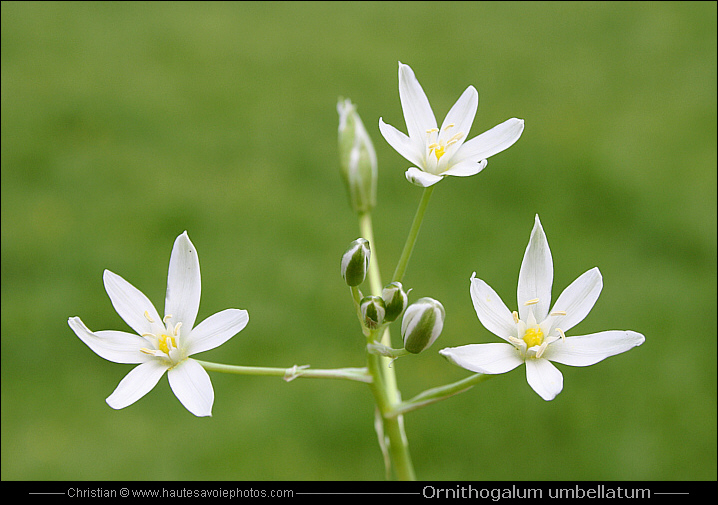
column 125, row 124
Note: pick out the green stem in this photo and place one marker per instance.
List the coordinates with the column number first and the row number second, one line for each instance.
column 384, row 387
column 413, row 234
column 367, row 232
column 295, row 372
column 393, row 426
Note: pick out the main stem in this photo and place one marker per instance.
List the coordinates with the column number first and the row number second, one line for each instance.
column 384, row 386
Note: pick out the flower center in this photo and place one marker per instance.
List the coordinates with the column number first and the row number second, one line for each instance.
column 533, row 336
column 439, row 147
column 166, row 341
column 164, row 346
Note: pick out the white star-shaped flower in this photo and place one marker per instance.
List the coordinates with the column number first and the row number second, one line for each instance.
column 163, row 344
column 535, row 335
column 438, row 152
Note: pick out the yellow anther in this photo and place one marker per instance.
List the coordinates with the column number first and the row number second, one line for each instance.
column 432, row 130
column 558, row 313
column 146, row 351
column 560, row 332
column 167, row 318
column 516, row 316
column 147, row 316
column 454, row 139
column 533, row 301
column 176, row 330
column 450, row 125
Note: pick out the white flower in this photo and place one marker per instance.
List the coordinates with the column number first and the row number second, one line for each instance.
column 438, row 152
column 163, row 344
column 535, row 335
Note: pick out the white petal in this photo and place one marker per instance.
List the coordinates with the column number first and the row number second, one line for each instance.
column 544, row 378
column 484, row 358
column 466, row 168
column 493, row 141
column 536, row 275
column 577, row 300
column 491, row 310
column 190, row 383
column 183, row 284
column 216, row 330
column 136, row 384
column 131, row 304
column 584, row 350
column 409, row 148
column 421, row 178
column 417, row 111
column 115, row 346
column 462, row 113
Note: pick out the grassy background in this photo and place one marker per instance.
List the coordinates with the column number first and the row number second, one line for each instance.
column 125, row 124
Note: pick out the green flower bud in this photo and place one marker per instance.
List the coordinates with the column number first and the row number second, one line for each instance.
column 422, row 324
column 372, row 310
column 357, row 158
column 355, row 262
column 395, row 300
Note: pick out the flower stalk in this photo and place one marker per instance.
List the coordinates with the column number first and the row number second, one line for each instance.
column 295, row 372
column 413, row 235
column 439, row 393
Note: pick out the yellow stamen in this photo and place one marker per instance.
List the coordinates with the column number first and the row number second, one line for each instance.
column 432, row 130
column 558, row 313
column 147, row 316
column 516, row 316
column 560, row 332
column 533, row 301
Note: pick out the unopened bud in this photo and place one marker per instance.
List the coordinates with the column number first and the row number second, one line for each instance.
column 357, row 158
column 422, row 324
column 355, row 262
column 395, row 300
column 372, row 310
